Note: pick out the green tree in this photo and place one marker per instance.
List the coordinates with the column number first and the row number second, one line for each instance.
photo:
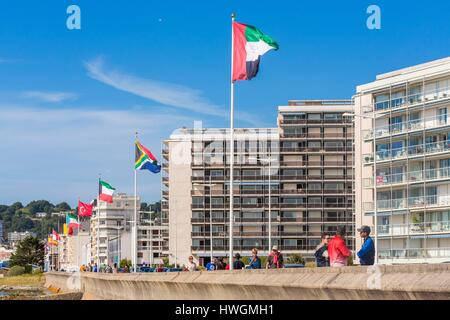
column 40, row 206
column 296, row 259
column 29, row 251
column 125, row 262
column 63, row 206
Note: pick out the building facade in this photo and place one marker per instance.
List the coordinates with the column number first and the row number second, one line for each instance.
column 403, row 162
column 111, row 234
column 306, row 200
column 316, row 173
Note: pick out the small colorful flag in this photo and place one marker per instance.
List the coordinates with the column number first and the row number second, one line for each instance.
column 249, row 44
column 105, row 191
column 144, row 159
column 84, row 209
column 72, row 221
column 56, row 235
column 65, row 229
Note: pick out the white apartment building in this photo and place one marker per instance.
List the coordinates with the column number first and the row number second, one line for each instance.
column 402, row 160
column 310, row 179
column 114, row 240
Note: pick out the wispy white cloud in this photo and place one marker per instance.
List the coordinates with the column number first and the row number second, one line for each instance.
column 166, row 93
column 169, row 94
column 48, row 96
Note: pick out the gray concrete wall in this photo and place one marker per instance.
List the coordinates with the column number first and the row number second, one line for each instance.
column 383, row 282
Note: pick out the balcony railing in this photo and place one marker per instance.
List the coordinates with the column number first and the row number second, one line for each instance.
column 412, row 176
column 408, row 126
column 316, row 149
column 411, row 202
column 411, row 151
column 410, row 100
column 419, row 253
column 414, row 228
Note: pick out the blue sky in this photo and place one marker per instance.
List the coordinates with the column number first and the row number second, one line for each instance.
column 70, row 101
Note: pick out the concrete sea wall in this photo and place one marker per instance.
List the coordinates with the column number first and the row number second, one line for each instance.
column 381, row 282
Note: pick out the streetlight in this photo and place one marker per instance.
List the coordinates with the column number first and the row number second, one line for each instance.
column 269, row 161
column 374, row 174
column 210, row 185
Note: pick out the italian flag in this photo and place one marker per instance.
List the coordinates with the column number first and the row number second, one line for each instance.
column 105, row 191
column 249, row 44
column 72, row 221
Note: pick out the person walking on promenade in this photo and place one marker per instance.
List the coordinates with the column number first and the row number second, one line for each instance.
column 321, row 253
column 191, row 265
column 255, row 262
column 238, row 264
column 212, row 265
column 367, row 253
column 275, row 259
column 337, row 250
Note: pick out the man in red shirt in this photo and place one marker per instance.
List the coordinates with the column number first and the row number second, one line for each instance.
column 337, row 250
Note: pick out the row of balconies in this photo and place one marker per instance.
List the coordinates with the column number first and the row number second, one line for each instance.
column 411, row 177
column 409, row 203
column 274, row 219
column 416, row 253
column 274, row 205
column 249, row 150
column 411, row 151
column 406, row 127
column 413, row 228
column 274, row 177
column 278, row 234
column 304, row 135
column 423, row 97
column 273, row 192
column 342, row 121
column 215, row 163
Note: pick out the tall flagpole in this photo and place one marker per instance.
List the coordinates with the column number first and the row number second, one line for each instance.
column 230, row 261
column 134, row 242
column 78, row 240
column 98, row 224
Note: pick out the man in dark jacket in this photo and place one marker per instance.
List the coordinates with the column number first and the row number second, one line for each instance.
column 367, row 253
column 321, row 253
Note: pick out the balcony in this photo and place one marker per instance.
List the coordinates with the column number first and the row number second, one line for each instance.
column 411, row 151
column 302, row 135
column 414, row 228
column 315, row 149
column 411, row 177
column 427, row 96
column 419, row 253
column 409, row 203
column 409, row 126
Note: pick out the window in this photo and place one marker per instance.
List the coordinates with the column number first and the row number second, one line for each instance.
column 332, row 116
column 314, row 116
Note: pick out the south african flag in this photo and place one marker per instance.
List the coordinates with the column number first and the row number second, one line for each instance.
column 145, row 160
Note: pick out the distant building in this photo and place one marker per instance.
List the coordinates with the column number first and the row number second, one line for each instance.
column 1, row 231
column 41, row 214
column 15, row 237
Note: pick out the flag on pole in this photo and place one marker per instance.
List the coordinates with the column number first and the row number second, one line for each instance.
column 72, row 221
column 105, row 191
column 51, row 242
column 55, row 235
column 249, row 45
column 144, row 159
column 84, row 209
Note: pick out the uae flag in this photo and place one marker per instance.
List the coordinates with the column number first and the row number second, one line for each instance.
column 249, row 44
column 72, row 221
column 84, row 209
column 105, row 191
